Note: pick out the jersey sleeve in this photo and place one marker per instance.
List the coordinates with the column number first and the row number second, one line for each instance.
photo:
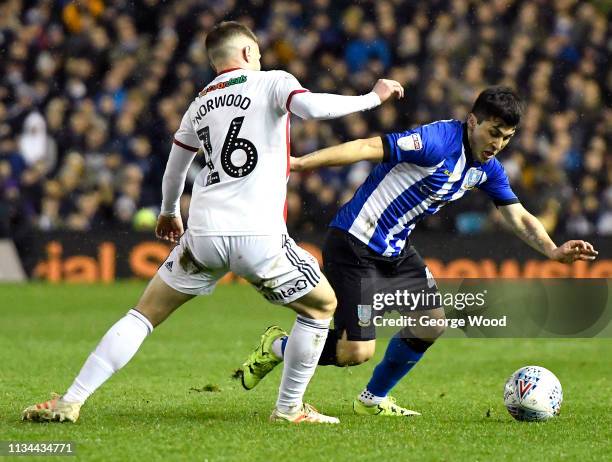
column 497, row 185
column 284, row 87
column 185, row 136
column 421, row 145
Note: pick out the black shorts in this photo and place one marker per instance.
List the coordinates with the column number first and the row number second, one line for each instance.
column 359, row 275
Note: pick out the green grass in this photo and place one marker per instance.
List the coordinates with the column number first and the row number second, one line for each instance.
column 149, row 410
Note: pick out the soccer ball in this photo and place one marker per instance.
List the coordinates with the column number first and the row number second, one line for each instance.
column 533, row 393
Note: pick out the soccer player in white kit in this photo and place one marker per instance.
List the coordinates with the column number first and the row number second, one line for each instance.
column 236, row 220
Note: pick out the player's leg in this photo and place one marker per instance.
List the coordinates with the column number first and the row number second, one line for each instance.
column 350, row 341
column 344, row 271
column 302, row 351
column 117, row 347
column 353, row 352
column 272, row 347
column 288, row 275
column 171, row 287
column 351, row 273
column 125, row 337
column 405, row 349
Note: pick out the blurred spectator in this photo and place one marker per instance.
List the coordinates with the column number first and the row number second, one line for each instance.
column 91, row 93
column 369, row 46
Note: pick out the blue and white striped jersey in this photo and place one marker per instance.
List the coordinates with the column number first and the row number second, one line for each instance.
column 423, row 169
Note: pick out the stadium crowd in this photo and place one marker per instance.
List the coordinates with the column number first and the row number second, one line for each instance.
column 91, row 93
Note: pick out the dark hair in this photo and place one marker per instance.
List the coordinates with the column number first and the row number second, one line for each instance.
column 220, row 34
column 502, row 102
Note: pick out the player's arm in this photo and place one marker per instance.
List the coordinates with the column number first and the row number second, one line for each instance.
column 169, row 223
column 343, row 154
column 321, row 106
column 184, row 148
column 415, row 146
column 529, row 229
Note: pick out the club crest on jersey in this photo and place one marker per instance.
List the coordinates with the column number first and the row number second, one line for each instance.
column 411, row 142
column 364, row 313
column 472, row 178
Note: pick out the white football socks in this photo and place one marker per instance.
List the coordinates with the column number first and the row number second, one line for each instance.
column 370, row 399
column 302, row 353
column 116, row 348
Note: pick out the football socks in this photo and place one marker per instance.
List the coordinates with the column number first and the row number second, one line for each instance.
column 400, row 357
column 302, row 354
column 328, row 355
column 116, row 348
column 369, row 399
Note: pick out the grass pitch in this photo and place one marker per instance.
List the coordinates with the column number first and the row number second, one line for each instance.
column 158, row 406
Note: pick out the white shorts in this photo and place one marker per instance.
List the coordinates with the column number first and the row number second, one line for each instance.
column 280, row 270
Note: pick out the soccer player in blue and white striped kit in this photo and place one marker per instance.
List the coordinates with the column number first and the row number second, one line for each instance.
column 419, row 171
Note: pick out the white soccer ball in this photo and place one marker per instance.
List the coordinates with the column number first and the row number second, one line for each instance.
column 533, row 393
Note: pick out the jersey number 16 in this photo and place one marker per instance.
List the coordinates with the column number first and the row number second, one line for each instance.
column 232, row 143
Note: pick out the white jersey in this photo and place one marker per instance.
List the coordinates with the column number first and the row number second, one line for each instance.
column 241, row 121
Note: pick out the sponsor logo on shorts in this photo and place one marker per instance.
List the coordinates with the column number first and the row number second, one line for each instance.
column 168, row 265
column 364, row 314
column 283, row 293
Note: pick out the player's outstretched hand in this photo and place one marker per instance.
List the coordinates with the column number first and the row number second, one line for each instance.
column 169, row 228
column 385, row 88
column 574, row 250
